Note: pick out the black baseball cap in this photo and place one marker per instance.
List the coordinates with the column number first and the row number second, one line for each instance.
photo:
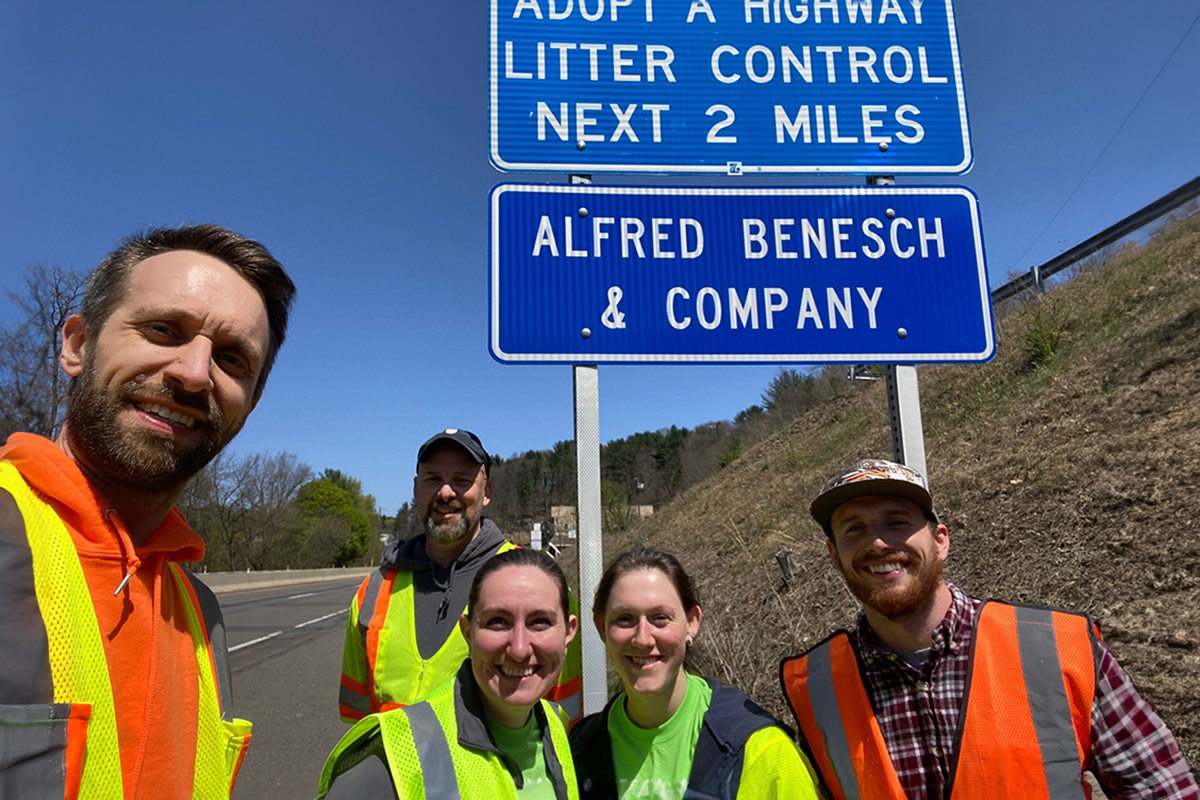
column 464, row 439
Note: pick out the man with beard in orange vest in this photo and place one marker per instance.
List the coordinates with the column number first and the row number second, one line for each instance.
column 114, row 676
column 938, row 695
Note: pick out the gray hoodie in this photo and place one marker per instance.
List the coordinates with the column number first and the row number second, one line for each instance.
column 440, row 593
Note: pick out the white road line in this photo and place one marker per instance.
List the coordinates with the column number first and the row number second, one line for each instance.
column 255, row 641
column 276, row 633
column 298, row 596
column 321, row 619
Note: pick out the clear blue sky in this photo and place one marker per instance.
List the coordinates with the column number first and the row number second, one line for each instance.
column 351, row 138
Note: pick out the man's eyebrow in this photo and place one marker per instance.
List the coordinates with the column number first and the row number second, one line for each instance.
column 146, row 310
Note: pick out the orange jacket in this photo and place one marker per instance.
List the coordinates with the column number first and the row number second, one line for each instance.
column 147, row 644
column 1025, row 730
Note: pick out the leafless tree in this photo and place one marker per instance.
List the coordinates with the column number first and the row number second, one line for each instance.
column 32, row 387
column 244, row 508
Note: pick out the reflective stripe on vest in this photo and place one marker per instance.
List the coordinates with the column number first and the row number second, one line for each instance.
column 221, row 742
column 838, row 723
column 80, row 668
column 1043, row 709
column 77, row 659
column 397, row 674
column 1025, row 727
column 437, row 765
column 427, row 762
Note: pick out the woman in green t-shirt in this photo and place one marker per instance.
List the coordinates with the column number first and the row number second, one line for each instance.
column 668, row 731
column 488, row 732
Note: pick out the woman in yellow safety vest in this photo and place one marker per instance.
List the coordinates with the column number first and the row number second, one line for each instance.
column 487, row 732
column 669, row 734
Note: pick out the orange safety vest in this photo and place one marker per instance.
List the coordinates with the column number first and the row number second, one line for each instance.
column 1025, row 727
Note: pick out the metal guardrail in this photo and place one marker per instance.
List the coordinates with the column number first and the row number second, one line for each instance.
column 224, row 582
column 1036, row 277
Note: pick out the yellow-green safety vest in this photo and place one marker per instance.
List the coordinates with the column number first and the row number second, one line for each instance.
column 394, row 674
column 82, row 720
column 426, row 760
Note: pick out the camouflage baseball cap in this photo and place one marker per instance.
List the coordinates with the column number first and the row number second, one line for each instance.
column 870, row 476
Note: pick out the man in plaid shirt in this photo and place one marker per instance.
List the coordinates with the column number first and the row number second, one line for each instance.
column 913, row 646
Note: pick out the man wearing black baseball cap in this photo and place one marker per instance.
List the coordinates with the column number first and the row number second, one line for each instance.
column 402, row 637
column 935, row 690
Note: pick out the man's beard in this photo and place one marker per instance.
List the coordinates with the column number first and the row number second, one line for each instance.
column 132, row 456
column 894, row 602
column 449, row 533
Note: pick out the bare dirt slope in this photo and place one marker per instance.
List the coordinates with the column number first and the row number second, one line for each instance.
column 1067, row 469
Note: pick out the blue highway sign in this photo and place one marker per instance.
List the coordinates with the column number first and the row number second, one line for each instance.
column 727, row 86
column 598, row 274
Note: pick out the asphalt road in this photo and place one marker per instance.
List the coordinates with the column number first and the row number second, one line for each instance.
column 286, row 656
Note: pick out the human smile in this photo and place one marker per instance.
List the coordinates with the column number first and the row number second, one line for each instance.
column 516, row 672
column 644, row 662
column 164, row 413
column 886, row 568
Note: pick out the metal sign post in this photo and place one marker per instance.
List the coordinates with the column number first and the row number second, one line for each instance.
column 591, row 549
column 904, row 413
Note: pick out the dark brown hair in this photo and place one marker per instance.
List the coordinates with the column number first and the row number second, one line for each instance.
column 521, row 557
column 248, row 258
column 645, row 558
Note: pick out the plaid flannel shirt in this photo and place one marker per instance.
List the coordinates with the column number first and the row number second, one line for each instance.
column 1134, row 755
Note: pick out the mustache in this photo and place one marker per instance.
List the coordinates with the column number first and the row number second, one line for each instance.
column 204, row 403
column 898, row 556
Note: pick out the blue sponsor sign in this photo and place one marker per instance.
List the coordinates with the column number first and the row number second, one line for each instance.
column 598, row 274
column 727, row 86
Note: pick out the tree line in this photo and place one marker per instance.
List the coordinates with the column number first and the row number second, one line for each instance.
column 653, row 467
column 271, row 511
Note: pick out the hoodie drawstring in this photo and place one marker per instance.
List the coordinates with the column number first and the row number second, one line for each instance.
column 447, row 589
column 127, row 550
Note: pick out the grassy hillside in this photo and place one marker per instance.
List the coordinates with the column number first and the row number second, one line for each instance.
column 1067, row 469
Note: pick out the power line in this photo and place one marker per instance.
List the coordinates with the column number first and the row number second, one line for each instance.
column 1110, row 142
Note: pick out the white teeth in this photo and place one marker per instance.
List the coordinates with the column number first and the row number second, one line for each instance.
column 167, row 414
column 883, row 569
column 513, row 672
column 644, row 662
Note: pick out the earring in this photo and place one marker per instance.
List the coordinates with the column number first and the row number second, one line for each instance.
column 691, row 638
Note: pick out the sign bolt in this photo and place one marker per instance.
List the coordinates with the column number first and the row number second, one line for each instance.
column 581, row 145
column 583, row 212
column 883, row 147
column 586, row 333
column 891, row 213
column 902, row 333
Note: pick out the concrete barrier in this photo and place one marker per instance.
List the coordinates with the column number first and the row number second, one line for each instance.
column 226, row 582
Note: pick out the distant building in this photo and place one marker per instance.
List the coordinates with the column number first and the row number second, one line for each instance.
column 565, row 518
